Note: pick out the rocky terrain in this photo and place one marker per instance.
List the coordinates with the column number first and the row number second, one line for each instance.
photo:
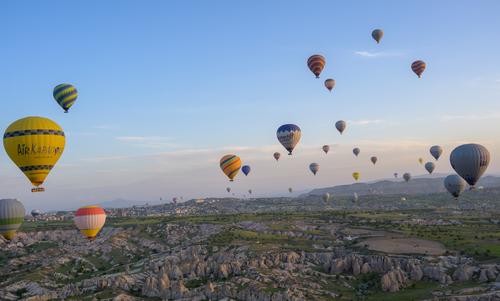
column 258, row 258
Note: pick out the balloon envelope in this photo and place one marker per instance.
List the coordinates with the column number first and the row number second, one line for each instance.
column 455, row 185
column 420, row 160
column 276, row 156
column 34, row 144
column 436, row 151
column 470, row 161
column 288, row 135
column 330, row 84
column 228, row 189
column 11, row 217
column 246, row 169
column 407, row 176
column 356, row 151
column 418, row 67
column 377, row 35
column 230, row 166
column 326, row 148
column 396, row 175
column 316, row 63
column 374, row 160
column 326, row 196
column 356, row 175
column 340, row 125
column 290, row 189
column 89, row 220
column 65, row 95
column 429, row 166
column 314, row 167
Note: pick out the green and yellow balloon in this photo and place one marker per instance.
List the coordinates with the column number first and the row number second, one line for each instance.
column 65, row 95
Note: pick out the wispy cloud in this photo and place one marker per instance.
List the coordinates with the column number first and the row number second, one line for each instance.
column 471, row 117
column 366, row 122
column 148, row 141
column 369, row 54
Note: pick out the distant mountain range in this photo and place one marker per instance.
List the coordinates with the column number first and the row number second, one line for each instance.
column 419, row 185
column 122, row 203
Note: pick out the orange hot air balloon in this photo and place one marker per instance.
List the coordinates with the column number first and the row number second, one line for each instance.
column 316, row 63
column 418, row 67
column 230, row 165
column 329, row 84
column 89, row 220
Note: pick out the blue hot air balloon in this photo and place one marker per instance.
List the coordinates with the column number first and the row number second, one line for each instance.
column 288, row 135
column 246, row 169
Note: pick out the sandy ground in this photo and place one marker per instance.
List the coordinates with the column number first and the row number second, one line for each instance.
column 399, row 245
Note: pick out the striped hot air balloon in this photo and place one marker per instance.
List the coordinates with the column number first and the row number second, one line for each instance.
column 35, row 144
column 89, row 220
column 316, row 63
column 418, row 67
column 11, row 217
column 288, row 135
column 65, row 95
column 470, row 161
column 230, row 165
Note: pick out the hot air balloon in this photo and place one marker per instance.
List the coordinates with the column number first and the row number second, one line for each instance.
column 418, row 67
column 276, row 156
column 11, row 217
column 377, row 35
column 340, row 125
column 36, row 212
column 230, row 165
column 374, row 160
column 326, row 197
column 288, row 135
column 429, row 166
column 316, row 63
column 89, row 220
column 228, row 189
column 356, row 151
column 436, row 151
column 396, row 175
column 174, row 200
column 326, row 148
column 356, row 175
column 34, row 144
column 355, row 197
column 65, row 95
column 330, row 84
column 314, row 167
column 407, row 176
column 250, row 191
column 455, row 185
column 246, row 169
column 290, row 189
column 470, row 161
column 420, row 160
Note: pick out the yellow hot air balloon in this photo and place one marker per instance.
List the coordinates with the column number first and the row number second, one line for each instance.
column 230, row 165
column 356, row 175
column 89, row 220
column 420, row 160
column 35, row 144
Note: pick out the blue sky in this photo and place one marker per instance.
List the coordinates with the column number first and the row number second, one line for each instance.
column 167, row 88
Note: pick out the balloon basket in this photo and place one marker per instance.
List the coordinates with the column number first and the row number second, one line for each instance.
column 38, row 189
